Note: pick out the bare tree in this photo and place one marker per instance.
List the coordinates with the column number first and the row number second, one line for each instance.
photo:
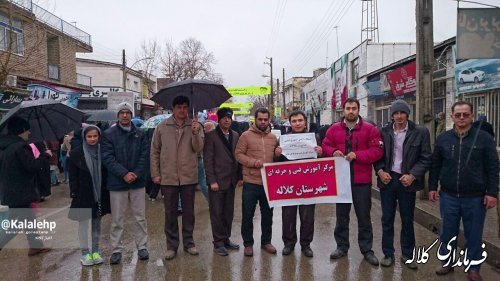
column 258, row 102
column 189, row 59
column 148, row 62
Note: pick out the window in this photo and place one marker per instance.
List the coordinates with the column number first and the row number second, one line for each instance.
column 354, row 71
column 12, row 32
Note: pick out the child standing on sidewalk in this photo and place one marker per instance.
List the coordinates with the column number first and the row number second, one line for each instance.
column 90, row 197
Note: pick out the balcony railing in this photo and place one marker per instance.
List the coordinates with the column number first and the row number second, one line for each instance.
column 54, row 72
column 83, row 80
column 54, row 21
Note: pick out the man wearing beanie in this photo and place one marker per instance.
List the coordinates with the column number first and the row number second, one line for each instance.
column 407, row 157
column 124, row 154
column 17, row 169
column 223, row 174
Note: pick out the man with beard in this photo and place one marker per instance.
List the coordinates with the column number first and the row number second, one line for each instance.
column 359, row 143
column 256, row 147
column 223, row 172
column 298, row 120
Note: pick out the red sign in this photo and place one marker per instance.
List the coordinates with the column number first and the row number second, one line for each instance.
column 403, row 80
column 306, row 182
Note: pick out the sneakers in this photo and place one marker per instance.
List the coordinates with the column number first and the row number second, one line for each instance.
column 387, row 261
column 287, row 250
column 115, row 258
column 371, row 258
column 221, row 251
column 192, row 251
column 337, row 254
column 97, row 258
column 269, row 248
column 152, row 199
column 143, row 254
column 231, row 245
column 411, row 265
column 87, row 259
column 170, row 254
column 307, row 251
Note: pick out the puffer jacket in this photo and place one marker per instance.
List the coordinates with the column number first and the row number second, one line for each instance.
column 254, row 145
column 366, row 143
column 122, row 152
column 174, row 157
column 416, row 154
column 465, row 167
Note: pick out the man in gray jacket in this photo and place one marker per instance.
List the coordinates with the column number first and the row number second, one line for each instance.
column 174, row 165
column 407, row 156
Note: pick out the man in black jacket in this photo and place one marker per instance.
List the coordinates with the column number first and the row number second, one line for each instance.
column 407, row 155
column 465, row 165
column 298, row 121
column 124, row 152
column 18, row 167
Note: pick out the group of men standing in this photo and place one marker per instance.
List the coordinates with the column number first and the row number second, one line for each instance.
column 464, row 164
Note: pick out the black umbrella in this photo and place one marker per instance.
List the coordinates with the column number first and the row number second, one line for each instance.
column 49, row 119
column 102, row 115
column 202, row 94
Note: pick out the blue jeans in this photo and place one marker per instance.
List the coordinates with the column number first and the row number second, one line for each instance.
column 202, row 179
column 472, row 212
column 392, row 195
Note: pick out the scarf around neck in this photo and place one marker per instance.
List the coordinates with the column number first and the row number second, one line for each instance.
column 92, row 155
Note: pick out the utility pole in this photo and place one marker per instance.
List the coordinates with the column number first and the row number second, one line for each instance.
column 425, row 57
column 271, row 98
column 278, row 94
column 124, row 66
column 283, row 93
column 337, row 36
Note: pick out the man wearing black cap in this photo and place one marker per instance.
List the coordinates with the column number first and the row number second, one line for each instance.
column 223, row 173
column 17, row 169
column 407, row 156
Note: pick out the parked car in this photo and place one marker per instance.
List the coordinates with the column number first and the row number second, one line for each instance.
column 471, row 75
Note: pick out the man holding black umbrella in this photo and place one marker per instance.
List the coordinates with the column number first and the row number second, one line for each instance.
column 18, row 167
column 174, row 165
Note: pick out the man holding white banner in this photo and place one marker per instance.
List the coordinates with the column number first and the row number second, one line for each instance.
column 359, row 143
column 298, row 120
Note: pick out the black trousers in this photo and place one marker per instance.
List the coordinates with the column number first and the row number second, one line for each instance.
column 362, row 201
column 289, row 217
column 20, row 213
column 221, row 207
column 253, row 193
column 171, row 201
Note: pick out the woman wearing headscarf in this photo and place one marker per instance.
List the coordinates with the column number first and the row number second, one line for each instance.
column 90, row 197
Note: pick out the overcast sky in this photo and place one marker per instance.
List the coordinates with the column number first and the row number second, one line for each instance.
column 242, row 33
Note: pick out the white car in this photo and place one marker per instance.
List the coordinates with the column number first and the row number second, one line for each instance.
column 471, row 75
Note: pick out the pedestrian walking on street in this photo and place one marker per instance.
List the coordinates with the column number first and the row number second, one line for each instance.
column 298, row 121
column 223, row 175
column 174, row 165
column 256, row 147
column 407, row 157
column 465, row 166
column 359, row 143
column 90, row 198
column 124, row 154
column 18, row 167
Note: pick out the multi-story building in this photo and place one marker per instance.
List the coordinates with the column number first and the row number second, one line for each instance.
column 37, row 54
column 108, row 77
column 323, row 104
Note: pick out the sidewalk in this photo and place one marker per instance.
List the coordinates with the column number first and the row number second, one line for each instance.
column 427, row 214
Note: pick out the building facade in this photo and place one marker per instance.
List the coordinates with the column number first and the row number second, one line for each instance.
column 37, row 51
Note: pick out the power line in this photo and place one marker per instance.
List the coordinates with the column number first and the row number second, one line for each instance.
column 278, row 19
column 321, row 39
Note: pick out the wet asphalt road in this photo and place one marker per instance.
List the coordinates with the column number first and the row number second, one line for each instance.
column 62, row 263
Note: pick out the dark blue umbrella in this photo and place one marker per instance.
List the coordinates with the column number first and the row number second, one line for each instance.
column 48, row 119
column 202, row 94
